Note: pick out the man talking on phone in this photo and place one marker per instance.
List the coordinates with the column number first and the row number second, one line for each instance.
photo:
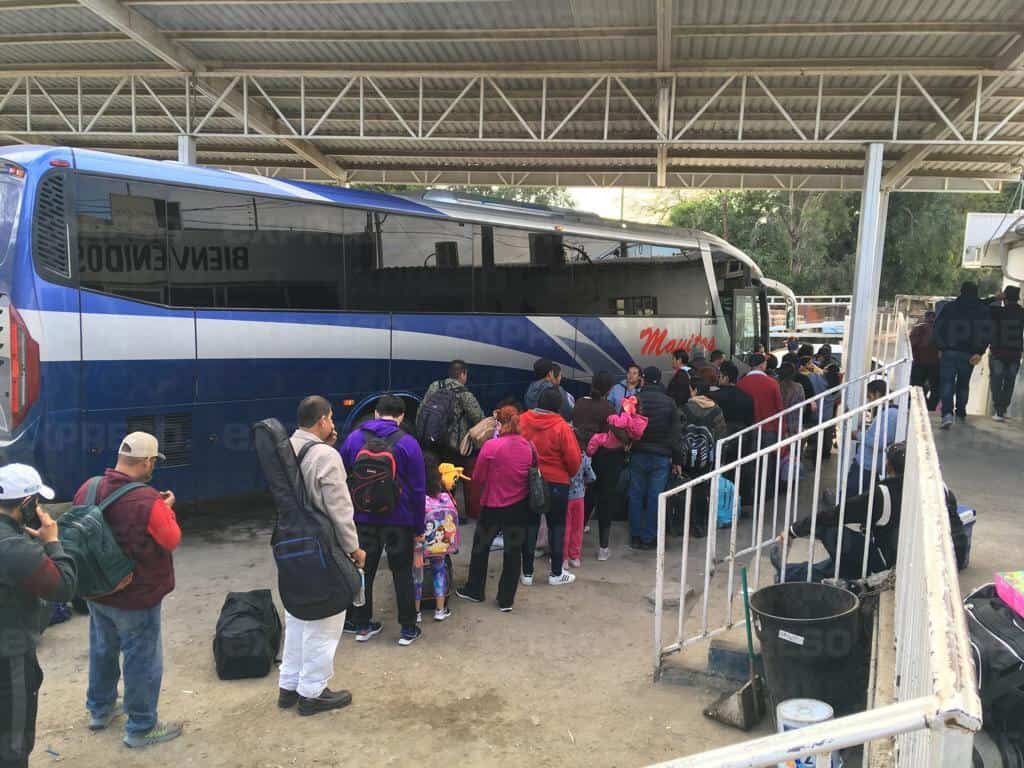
column 34, row 570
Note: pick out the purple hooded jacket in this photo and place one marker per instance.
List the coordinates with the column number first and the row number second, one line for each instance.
column 412, row 481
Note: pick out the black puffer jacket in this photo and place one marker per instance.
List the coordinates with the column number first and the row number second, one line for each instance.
column 1008, row 331
column 664, row 429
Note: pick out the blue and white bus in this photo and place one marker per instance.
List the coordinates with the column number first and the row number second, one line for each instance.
column 190, row 302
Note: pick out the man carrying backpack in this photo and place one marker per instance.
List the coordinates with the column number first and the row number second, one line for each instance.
column 127, row 622
column 389, row 487
column 448, row 411
column 307, row 663
column 34, row 571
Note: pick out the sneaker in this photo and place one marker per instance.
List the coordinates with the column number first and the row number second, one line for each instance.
column 467, row 595
column 603, row 553
column 586, row 529
column 287, row 699
column 409, row 635
column 350, row 627
column 962, row 418
column 498, row 544
column 442, row 614
column 647, row 546
column 526, row 581
column 325, row 702
column 160, row 733
column 99, row 722
column 575, row 562
column 564, row 578
column 505, row 608
column 419, row 617
column 999, row 417
column 947, row 421
column 635, row 543
column 371, row 629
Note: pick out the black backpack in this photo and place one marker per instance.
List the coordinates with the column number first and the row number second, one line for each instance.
column 315, row 577
column 997, row 639
column 373, row 481
column 248, row 635
column 698, row 447
column 436, row 416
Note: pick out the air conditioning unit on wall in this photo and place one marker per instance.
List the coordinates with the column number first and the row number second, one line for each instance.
column 983, row 246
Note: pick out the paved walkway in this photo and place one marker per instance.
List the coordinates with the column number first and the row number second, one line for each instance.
column 983, row 464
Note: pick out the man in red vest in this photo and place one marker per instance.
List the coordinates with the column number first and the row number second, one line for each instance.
column 127, row 622
column 764, row 391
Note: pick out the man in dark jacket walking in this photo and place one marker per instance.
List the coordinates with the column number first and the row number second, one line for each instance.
column 963, row 330
column 127, row 623
column 651, row 459
column 1007, row 345
column 34, row 571
column 396, row 531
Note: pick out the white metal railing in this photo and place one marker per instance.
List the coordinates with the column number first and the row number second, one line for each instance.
column 936, row 709
column 776, row 504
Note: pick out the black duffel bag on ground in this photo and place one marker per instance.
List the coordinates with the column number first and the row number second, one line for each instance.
column 997, row 641
column 248, row 635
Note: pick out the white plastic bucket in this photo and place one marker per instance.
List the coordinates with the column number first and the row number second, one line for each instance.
column 794, row 714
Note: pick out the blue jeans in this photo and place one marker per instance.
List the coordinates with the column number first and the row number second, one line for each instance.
column 955, row 379
column 136, row 634
column 648, row 476
column 1004, row 376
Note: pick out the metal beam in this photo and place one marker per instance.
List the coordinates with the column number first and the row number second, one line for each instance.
column 962, row 111
column 145, row 33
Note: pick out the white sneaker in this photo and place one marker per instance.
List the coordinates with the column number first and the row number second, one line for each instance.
column 575, row 562
column 526, row 581
column 498, row 544
column 603, row 553
column 999, row 417
column 565, row 578
column 586, row 529
column 947, row 421
column 419, row 617
column 442, row 614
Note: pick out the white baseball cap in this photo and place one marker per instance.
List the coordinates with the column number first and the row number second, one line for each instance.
column 140, row 445
column 17, row 481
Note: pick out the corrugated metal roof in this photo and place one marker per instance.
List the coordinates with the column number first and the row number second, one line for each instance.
column 791, row 45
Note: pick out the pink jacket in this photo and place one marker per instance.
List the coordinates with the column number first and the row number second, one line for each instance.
column 632, row 423
column 501, row 470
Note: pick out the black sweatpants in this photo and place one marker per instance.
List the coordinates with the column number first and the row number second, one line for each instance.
column 511, row 521
column 20, row 679
column 397, row 541
column 602, row 493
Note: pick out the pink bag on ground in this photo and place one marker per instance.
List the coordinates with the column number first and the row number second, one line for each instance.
column 1010, row 588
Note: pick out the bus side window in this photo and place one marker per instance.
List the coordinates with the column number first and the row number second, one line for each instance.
column 408, row 263
column 122, row 239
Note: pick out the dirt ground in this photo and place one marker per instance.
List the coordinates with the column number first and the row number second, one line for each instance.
column 563, row 680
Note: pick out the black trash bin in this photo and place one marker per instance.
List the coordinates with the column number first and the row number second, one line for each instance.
column 813, row 644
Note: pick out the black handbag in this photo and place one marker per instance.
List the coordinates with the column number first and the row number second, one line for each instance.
column 540, row 495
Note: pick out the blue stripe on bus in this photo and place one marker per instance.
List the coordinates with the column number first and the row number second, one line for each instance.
column 513, row 332
column 300, row 317
column 602, row 337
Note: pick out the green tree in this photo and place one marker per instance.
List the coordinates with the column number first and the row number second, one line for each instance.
column 809, row 240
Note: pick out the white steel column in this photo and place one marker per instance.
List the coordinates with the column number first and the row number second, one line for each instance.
column 187, row 150
column 868, row 273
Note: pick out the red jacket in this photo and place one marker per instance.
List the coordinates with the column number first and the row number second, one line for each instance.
column 558, row 451
column 766, row 394
column 148, row 532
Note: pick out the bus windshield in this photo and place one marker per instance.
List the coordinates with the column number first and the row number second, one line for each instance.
column 10, row 204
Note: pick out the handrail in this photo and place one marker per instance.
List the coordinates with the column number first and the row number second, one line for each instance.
column 804, row 403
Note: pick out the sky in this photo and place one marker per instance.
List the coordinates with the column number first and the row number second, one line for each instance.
column 610, row 202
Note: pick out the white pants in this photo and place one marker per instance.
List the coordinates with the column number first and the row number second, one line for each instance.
column 307, row 664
